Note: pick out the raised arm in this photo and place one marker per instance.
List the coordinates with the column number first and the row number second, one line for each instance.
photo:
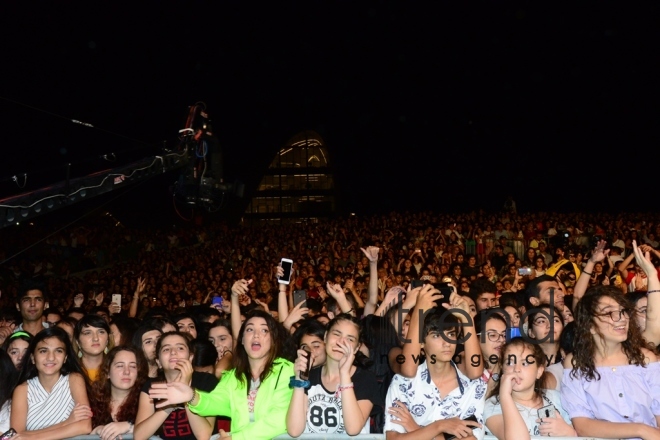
column 652, row 331
column 461, row 309
column 371, row 253
column 412, row 347
column 336, row 291
column 582, row 284
column 622, row 266
column 240, row 287
column 141, row 284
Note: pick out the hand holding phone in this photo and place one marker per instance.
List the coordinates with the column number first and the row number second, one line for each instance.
column 547, row 411
column 216, row 303
column 116, row 298
column 287, row 265
column 304, row 375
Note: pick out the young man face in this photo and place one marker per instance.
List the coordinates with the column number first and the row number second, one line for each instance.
column 32, row 305
column 485, row 301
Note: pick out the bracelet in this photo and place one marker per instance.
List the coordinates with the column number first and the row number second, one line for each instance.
column 341, row 388
column 588, row 273
column 652, row 291
column 297, row 383
column 195, row 394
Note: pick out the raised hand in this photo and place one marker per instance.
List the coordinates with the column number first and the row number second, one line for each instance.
column 141, row 284
column 240, row 287
column 371, row 253
column 335, row 290
column 457, row 302
column 643, row 259
column 599, row 253
column 427, row 297
column 296, row 314
column 173, row 393
column 78, row 300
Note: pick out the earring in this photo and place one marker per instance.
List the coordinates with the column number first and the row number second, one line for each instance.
column 79, row 353
column 106, row 350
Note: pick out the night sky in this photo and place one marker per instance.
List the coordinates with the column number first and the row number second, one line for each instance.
column 423, row 105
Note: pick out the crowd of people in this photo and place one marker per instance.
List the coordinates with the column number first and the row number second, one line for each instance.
column 415, row 325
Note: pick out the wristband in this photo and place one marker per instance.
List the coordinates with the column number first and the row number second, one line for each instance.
column 341, row 388
column 195, row 394
column 652, row 291
column 588, row 273
column 297, row 383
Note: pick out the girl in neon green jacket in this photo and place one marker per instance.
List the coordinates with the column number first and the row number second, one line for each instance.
column 255, row 394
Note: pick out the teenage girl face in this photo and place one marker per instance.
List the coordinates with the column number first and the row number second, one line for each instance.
column 17, row 350
column 316, row 346
column 187, row 325
column 256, row 338
column 49, row 356
column 123, row 370
column 93, row 340
column 521, row 364
column 492, row 329
column 342, row 334
column 221, row 339
column 173, row 349
column 540, row 328
column 514, row 315
column 149, row 341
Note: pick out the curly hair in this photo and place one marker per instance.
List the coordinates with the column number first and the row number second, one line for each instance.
column 101, row 392
column 585, row 345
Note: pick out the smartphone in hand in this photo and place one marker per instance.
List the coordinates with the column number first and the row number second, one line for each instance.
column 287, row 265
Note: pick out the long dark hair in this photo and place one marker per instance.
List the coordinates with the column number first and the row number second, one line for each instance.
column 8, row 377
column 539, row 357
column 241, row 360
column 101, row 394
column 70, row 365
column 584, row 344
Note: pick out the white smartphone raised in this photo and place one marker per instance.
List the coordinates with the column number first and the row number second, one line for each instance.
column 116, row 298
column 287, row 265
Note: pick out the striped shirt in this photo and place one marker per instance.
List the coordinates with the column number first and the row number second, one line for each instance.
column 47, row 409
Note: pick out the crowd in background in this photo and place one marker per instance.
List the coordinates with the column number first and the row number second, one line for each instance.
column 158, row 327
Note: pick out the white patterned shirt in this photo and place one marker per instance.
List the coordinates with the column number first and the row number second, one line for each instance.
column 423, row 400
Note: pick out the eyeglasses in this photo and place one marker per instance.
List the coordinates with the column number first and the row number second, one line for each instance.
column 494, row 336
column 617, row 314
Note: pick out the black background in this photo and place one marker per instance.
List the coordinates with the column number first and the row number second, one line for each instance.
column 423, row 105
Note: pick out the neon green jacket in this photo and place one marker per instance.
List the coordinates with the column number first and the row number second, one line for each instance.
column 229, row 398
